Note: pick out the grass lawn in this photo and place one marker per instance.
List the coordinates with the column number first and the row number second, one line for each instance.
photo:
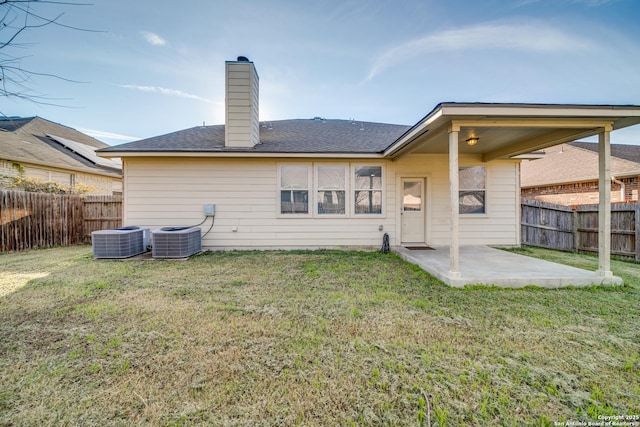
column 306, row 338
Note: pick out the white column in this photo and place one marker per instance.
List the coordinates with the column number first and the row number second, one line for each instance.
column 604, row 208
column 454, row 189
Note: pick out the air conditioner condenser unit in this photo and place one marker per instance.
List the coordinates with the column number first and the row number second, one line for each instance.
column 123, row 242
column 175, row 242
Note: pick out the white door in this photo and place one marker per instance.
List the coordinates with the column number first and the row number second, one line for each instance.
column 412, row 210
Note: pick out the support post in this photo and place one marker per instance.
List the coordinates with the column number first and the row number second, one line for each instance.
column 454, row 190
column 604, row 208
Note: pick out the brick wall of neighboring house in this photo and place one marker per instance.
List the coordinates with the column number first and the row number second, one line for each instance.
column 100, row 184
column 581, row 193
column 7, row 170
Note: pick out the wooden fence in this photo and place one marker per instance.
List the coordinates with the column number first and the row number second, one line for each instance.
column 101, row 213
column 35, row 220
column 576, row 229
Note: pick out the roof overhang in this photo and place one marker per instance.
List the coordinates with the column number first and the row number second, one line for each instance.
column 238, row 154
column 509, row 130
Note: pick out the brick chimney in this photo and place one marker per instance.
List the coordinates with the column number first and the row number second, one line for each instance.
column 242, row 127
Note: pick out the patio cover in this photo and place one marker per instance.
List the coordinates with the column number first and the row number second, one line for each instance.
column 512, row 130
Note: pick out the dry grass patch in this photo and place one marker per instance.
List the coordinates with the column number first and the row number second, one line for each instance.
column 305, row 338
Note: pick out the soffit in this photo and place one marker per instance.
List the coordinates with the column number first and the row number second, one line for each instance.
column 506, row 131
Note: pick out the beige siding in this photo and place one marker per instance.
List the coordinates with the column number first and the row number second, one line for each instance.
column 434, row 169
column 163, row 192
column 499, row 226
column 241, row 105
column 500, row 223
column 94, row 184
column 172, row 192
column 48, row 175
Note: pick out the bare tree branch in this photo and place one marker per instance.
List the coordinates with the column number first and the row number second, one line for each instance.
column 18, row 17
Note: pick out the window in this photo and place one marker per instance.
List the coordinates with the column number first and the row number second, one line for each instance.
column 331, row 190
column 300, row 186
column 367, row 186
column 294, row 189
column 472, row 190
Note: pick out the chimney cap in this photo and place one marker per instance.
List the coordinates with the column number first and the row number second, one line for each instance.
column 243, row 59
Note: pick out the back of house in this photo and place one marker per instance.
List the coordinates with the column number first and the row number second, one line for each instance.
column 452, row 178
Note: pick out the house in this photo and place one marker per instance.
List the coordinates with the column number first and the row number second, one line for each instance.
column 452, row 179
column 37, row 148
column 567, row 174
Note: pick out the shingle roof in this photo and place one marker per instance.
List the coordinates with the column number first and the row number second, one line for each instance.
column 26, row 140
column 280, row 136
column 578, row 161
column 621, row 151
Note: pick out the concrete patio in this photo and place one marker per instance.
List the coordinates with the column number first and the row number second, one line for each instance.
column 482, row 265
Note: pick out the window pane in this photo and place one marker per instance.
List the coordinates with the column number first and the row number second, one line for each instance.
column 412, row 196
column 331, row 202
column 472, row 202
column 294, row 177
column 331, row 178
column 294, row 202
column 368, row 177
column 368, row 202
column 473, row 178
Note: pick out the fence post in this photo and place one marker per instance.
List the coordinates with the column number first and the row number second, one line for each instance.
column 637, row 213
column 576, row 233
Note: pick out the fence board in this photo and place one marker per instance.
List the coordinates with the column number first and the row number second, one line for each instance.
column 36, row 220
column 101, row 213
column 547, row 225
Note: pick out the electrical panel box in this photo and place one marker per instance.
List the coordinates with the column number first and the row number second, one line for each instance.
column 210, row 210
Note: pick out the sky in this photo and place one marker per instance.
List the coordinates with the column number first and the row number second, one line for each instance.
column 150, row 67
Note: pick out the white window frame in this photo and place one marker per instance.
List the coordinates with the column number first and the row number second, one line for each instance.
column 353, row 189
column 485, row 189
column 309, row 189
column 316, row 189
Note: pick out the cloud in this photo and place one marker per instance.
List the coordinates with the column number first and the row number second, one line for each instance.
column 588, row 3
column 153, row 39
column 594, row 3
column 530, row 37
column 168, row 92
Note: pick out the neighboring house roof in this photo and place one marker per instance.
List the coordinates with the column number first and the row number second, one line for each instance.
column 578, row 162
column 315, row 135
column 38, row 141
column 621, row 151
